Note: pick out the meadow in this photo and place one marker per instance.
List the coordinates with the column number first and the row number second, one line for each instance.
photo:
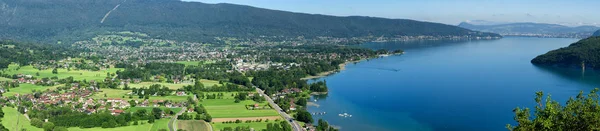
column 5, row 79
column 148, row 84
column 149, row 109
column 192, row 125
column 157, row 125
column 227, row 108
column 28, row 89
column 15, row 121
column 62, row 73
column 118, row 93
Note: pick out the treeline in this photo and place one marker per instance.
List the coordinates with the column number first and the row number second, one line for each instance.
column 281, row 126
column 27, row 53
column 66, row 117
column 201, row 114
column 584, row 52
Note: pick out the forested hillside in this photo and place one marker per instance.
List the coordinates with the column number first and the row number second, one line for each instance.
column 541, row 29
column 25, row 53
column 586, row 51
column 70, row 20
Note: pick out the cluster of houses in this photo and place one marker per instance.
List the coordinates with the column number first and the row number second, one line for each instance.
column 80, row 100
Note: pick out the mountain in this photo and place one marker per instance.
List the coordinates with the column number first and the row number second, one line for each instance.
column 597, row 33
column 533, row 29
column 585, row 51
column 69, row 20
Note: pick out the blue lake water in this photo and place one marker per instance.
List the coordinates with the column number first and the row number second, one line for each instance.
column 447, row 85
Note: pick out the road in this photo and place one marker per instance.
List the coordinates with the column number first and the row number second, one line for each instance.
column 288, row 118
column 174, row 118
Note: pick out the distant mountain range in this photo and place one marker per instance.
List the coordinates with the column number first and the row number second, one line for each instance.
column 532, row 29
column 71, row 20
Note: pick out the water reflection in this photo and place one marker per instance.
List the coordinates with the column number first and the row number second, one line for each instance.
column 591, row 77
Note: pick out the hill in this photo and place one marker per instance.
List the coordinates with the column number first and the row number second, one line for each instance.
column 533, row 29
column 597, row 33
column 585, row 51
column 70, row 20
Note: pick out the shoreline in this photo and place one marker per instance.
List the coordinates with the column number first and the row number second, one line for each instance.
column 343, row 67
column 324, row 74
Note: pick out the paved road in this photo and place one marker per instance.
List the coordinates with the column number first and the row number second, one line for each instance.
column 174, row 118
column 288, row 118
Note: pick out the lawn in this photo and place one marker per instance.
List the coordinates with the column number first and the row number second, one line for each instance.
column 13, row 120
column 257, row 126
column 192, row 125
column 227, row 108
column 27, row 89
column 62, row 73
column 118, row 93
column 149, row 109
column 148, row 84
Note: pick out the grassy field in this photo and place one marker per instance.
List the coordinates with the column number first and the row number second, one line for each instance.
column 170, row 85
column 158, row 124
column 13, row 120
column 257, row 126
column 210, row 83
column 226, row 95
column 5, row 79
column 189, row 63
column 27, row 89
column 227, row 108
column 62, row 73
column 192, row 125
column 149, row 109
column 118, row 93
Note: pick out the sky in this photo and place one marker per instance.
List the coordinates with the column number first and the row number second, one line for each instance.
column 565, row 12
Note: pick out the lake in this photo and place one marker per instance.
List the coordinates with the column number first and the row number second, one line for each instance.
column 471, row 85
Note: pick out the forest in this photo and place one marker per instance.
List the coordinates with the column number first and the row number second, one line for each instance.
column 69, row 21
column 584, row 52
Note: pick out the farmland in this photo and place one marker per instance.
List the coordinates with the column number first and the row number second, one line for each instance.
column 62, row 73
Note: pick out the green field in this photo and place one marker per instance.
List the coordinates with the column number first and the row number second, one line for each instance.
column 257, row 126
column 189, row 63
column 62, row 73
column 27, row 89
column 169, row 85
column 192, row 125
column 149, row 109
column 226, row 95
column 227, row 108
column 13, row 120
column 118, row 93
column 5, row 79
column 210, row 83
column 158, row 124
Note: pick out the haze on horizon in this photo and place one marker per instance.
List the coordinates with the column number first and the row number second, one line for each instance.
column 570, row 13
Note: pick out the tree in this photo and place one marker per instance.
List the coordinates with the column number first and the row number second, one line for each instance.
column 157, row 113
column 579, row 114
column 54, row 71
column 304, row 116
column 37, row 122
column 48, row 126
column 207, row 117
